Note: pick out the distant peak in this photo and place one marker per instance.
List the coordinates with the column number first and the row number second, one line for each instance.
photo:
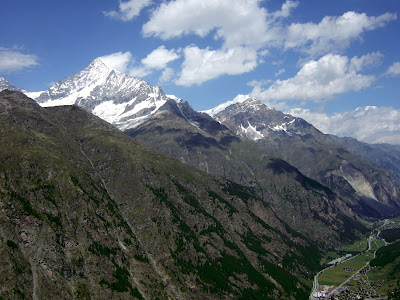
column 176, row 99
column 240, row 101
column 97, row 62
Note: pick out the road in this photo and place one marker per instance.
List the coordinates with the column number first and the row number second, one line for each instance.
column 339, row 288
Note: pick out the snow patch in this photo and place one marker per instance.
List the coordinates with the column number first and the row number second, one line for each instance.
column 251, row 132
column 223, row 106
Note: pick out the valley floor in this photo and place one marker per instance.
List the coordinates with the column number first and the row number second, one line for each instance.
column 352, row 277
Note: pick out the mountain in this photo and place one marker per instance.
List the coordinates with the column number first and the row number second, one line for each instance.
column 126, row 102
column 4, row 84
column 369, row 189
column 88, row 212
column 384, row 155
column 113, row 96
column 198, row 140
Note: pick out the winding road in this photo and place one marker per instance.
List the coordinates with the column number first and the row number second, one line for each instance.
column 338, row 289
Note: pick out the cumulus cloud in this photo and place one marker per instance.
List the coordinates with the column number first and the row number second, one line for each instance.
column 12, row 60
column 332, row 33
column 243, row 22
column 320, row 79
column 357, row 123
column 394, row 69
column 128, row 10
column 118, row 61
column 139, row 72
column 201, row 65
column 159, row 58
column 287, row 8
column 166, row 75
column 244, row 29
column 369, row 60
column 124, row 62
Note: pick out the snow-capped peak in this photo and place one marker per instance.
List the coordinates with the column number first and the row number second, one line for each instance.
column 120, row 99
column 5, row 84
column 176, row 99
column 249, row 102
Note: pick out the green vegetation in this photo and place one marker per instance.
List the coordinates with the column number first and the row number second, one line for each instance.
column 357, row 246
column 390, row 235
column 285, row 279
column 340, row 273
column 12, row 245
column 386, row 255
column 82, row 291
column 331, row 255
column 141, row 258
column 121, row 283
column 217, row 273
column 99, row 250
column 376, row 244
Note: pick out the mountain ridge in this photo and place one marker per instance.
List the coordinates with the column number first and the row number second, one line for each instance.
column 127, row 102
column 212, row 147
column 89, row 212
column 362, row 183
column 120, row 99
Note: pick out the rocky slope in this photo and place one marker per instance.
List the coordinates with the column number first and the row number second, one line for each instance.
column 384, row 155
column 5, row 84
column 369, row 189
column 127, row 102
column 113, row 96
column 87, row 212
column 198, row 140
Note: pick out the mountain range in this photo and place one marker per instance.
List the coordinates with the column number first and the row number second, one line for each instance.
column 238, row 202
column 368, row 188
column 88, row 212
column 364, row 184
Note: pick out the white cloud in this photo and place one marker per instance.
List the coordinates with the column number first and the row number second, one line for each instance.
column 319, row 80
column 245, row 29
column 201, row 65
column 13, row 60
column 280, row 72
column 240, row 22
column 139, row 72
column 242, row 26
column 394, row 69
column 357, row 123
column 166, row 75
column 371, row 59
column 287, row 8
column 118, row 61
column 159, row 58
column 128, row 10
column 332, row 33
column 245, row 25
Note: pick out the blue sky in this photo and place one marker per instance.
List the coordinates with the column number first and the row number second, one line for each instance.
column 318, row 59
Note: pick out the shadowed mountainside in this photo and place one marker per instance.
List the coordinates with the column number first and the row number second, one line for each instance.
column 198, row 140
column 87, row 212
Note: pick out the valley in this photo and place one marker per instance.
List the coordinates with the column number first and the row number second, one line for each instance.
column 359, row 275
